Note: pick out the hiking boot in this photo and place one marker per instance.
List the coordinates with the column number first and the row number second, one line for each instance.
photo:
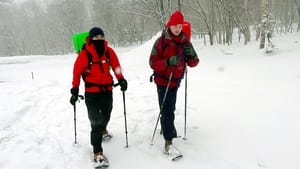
column 99, row 158
column 167, row 145
column 171, row 151
column 104, row 131
column 100, row 161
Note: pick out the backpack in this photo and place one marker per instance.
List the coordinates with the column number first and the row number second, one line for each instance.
column 78, row 40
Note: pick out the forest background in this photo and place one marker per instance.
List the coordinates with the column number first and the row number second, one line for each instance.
column 45, row 27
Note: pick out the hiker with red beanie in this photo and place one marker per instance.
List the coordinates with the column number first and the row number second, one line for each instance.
column 170, row 55
column 93, row 63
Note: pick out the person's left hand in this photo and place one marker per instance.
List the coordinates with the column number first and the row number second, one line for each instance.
column 189, row 52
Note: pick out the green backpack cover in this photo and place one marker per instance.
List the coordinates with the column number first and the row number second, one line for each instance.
column 78, row 40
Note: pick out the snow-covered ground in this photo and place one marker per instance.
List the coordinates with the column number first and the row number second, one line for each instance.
column 243, row 111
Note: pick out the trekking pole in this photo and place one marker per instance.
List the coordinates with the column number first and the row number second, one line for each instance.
column 74, row 107
column 161, row 107
column 185, row 104
column 125, row 119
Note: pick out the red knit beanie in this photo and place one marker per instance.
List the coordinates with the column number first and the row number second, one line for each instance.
column 175, row 19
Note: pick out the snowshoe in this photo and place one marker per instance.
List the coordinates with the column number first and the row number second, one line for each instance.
column 270, row 48
column 172, row 153
column 100, row 161
column 106, row 137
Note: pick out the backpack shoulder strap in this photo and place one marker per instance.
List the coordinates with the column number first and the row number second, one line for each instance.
column 90, row 62
column 107, row 55
column 163, row 36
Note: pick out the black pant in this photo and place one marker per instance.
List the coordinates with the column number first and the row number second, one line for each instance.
column 99, row 107
column 167, row 113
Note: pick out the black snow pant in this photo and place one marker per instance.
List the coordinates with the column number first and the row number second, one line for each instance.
column 99, row 107
column 167, row 113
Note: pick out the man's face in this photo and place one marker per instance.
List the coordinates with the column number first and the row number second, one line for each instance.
column 176, row 29
column 98, row 37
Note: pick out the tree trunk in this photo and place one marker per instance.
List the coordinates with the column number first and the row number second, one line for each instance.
column 262, row 31
column 298, row 11
column 247, row 31
column 179, row 5
column 163, row 13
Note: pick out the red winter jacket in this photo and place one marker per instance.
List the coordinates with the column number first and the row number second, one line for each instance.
column 96, row 74
column 173, row 46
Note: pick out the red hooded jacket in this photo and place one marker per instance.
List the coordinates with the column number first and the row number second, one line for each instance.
column 165, row 47
column 96, row 75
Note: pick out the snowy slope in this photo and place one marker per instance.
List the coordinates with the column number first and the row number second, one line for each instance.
column 243, row 111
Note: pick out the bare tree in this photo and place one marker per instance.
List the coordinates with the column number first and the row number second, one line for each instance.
column 225, row 23
column 179, row 5
column 237, row 16
column 262, row 32
column 48, row 29
column 204, row 10
column 157, row 10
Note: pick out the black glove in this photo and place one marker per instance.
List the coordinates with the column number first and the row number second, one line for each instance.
column 123, row 84
column 173, row 61
column 188, row 52
column 74, row 97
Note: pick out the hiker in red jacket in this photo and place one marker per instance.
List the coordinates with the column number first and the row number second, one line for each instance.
column 93, row 64
column 170, row 55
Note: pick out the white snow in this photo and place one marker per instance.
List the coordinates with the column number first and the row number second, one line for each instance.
column 243, row 111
